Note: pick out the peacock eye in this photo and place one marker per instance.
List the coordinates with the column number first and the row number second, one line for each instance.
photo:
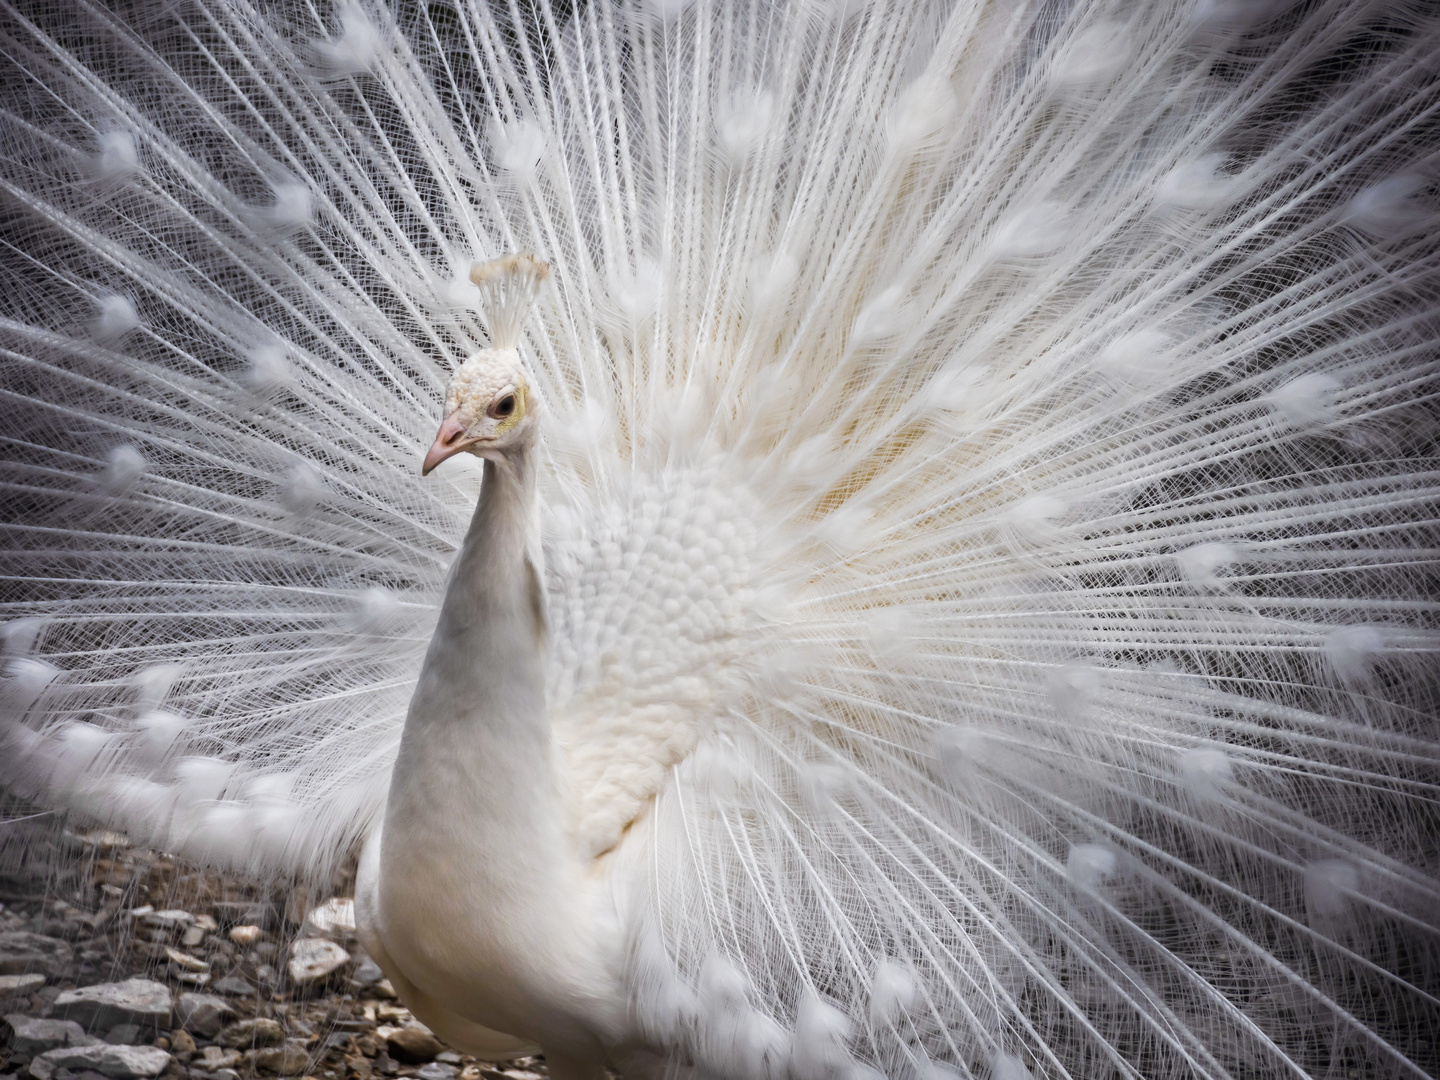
column 504, row 407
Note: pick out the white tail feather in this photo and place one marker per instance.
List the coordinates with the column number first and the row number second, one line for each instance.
column 988, row 501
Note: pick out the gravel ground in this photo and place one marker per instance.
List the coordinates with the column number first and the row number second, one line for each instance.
column 131, row 965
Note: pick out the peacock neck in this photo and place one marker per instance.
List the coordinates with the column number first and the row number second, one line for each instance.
column 480, row 888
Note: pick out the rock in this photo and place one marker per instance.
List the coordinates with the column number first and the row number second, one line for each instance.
column 245, row 912
column 245, row 936
column 436, row 1071
column 233, row 985
column 134, row 1001
column 174, row 919
column 184, row 961
column 412, row 1044
column 203, row 1014
column 191, row 978
column 215, row 1057
column 448, row 1057
column 120, row 1062
column 313, row 960
column 125, row 1035
column 11, row 985
column 334, row 919
column 288, row 1059
column 193, row 937
column 24, row 953
column 367, row 971
column 247, row 1033
column 182, row 1046
column 30, row 1036
column 383, row 989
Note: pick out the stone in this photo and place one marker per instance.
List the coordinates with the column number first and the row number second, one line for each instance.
column 119, row 1062
column 233, row 985
column 247, row 1033
column 24, row 953
column 217, row 1057
column 125, row 1035
column 448, row 1057
column 412, row 1044
column 193, row 937
column 383, row 989
column 174, row 919
column 245, row 936
column 182, row 1046
column 10, row 985
column 334, row 919
column 246, row 912
column 30, row 1037
column 100, row 1007
column 313, row 960
column 436, row 1071
column 184, row 961
column 203, row 1014
column 289, row 1059
column 366, row 971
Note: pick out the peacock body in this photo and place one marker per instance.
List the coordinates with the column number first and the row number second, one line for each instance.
column 957, row 597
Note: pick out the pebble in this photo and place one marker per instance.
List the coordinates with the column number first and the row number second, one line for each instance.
column 182, row 1045
column 173, row 919
column 233, row 985
column 135, row 1001
column 217, row 1057
column 247, row 1033
column 245, row 936
column 313, row 960
column 412, row 1043
column 288, row 1059
column 184, row 961
column 30, row 1036
column 23, row 953
column 436, row 1071
column 203, row 1014
column 245, row 913
column 126, row 1035
column 335, row 919
column 367, row 971
column 119, row 1062
column 10, row 985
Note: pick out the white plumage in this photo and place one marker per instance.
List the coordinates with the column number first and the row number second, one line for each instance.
column 980, row 492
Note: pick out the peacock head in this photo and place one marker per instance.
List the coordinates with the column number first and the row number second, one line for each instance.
column 489, row 408
column 490, row 405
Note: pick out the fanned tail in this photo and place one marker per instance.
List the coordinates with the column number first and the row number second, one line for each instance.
column 990, row 502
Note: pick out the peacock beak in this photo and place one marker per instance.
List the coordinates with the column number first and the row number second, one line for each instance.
column 449, row 442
